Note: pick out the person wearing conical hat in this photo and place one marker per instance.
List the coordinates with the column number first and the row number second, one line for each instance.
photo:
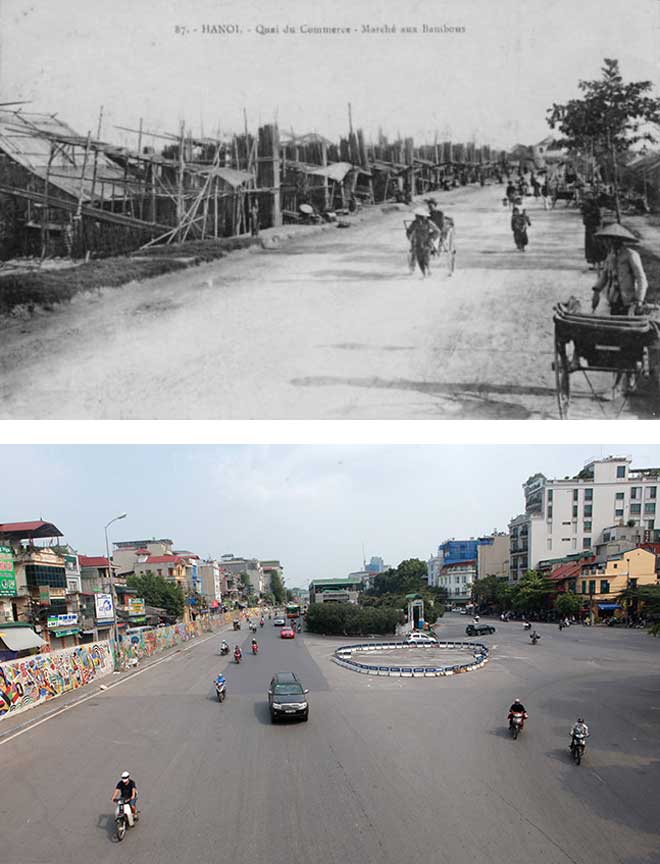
column 623, row 280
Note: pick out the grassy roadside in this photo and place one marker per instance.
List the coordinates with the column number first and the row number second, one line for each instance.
column 46, row 288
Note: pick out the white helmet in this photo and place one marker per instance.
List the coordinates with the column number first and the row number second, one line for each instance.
column 125, row 775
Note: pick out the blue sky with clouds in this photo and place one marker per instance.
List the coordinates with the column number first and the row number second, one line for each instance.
column 311, row 506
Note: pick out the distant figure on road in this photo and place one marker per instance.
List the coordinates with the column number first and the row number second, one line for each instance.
column 510, row 193
column 254, row 218
column 623, row 278
column 594, row 249
column 421, row 233
column 519, row 222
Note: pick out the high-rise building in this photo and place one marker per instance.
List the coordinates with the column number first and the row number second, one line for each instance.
column 570, row 515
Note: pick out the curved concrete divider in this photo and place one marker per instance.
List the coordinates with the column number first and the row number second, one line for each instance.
column 480, row 654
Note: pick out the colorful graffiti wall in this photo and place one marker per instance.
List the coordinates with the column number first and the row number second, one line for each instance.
column 31, row 680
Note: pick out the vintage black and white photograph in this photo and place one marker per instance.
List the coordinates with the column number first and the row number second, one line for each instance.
column 224, row 210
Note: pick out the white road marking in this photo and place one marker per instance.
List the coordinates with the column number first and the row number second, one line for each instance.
column 105, row 690
column 598, row 775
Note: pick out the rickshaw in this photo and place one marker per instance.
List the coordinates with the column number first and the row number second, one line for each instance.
column 445, row 245
column 627, row 349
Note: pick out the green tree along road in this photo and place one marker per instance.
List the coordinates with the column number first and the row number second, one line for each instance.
column 157, row 591
column 346, row 619
column 277, row 588
column 410, row 577
column 568, row 604
column 608, row 120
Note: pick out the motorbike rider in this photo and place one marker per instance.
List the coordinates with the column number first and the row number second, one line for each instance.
column 224, row 647
column 262, row 622
column 255, row 647
column 517, row 708
column 238, row 653
column 580, row 729
column 534, row 636
column 126, row 789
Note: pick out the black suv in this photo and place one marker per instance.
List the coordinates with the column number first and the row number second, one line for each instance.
column 287, row 697
column 479, row 629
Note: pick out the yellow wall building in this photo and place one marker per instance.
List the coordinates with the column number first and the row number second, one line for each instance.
column 604, row 583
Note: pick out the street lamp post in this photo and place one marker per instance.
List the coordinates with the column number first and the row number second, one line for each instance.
column 112, row 585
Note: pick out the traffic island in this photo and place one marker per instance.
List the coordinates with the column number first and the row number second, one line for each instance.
column 435, row 660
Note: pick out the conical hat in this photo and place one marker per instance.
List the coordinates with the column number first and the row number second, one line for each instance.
column 617, row 231
column 420, row 211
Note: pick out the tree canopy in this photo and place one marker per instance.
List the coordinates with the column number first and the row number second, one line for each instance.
column 158, row 592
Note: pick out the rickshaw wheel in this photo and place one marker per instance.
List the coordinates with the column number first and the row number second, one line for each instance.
column 562, row 379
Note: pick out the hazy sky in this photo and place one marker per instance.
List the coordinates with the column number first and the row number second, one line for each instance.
column 310, row 506
column 494, row 81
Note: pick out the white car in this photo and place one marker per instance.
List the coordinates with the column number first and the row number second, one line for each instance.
column 420, row 637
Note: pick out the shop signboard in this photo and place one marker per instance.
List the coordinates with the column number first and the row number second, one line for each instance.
column 105, row 611
column 7, row 576
column 55, row 622
column 136, row 606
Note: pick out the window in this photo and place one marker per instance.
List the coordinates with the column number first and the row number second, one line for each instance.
column 588, row 494
column 649, row 509
column 586, row 527
column 604, row 586
column 632, row 583
column 619, row 496
column 635, row 508
column 574, row 543
column 575, row 513
column 549, row 542
column 586, row 543
column 575, row 494
column 618, row 512
column 635, row 492
column 651, row 524
column 592, row 586
column 39, row 574
column 584, row 587
column 565, row 539
column 651, row 491
column 615, row 566
column 588, row 511
column 549, row 512
column 549, row 495
column 565, row 523
column 620, row 472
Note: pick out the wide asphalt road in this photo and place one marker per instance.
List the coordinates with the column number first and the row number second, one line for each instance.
column 386, row 770
column 328, row 325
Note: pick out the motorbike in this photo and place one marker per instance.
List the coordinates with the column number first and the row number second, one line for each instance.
column 261, row 623
column 220, row 688
column 224, row 649
column 299, row 628
column 237, row 656
column 237, row 625
column 527, row 626
column 255, row 648
column 578, row 746
column 516, row 723
column 534, row 637
column 124, row 818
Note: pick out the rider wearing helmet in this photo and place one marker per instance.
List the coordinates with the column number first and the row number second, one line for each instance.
column 127, row 791
column 579, row 728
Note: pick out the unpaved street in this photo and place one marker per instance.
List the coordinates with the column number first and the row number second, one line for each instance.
column 329, row 325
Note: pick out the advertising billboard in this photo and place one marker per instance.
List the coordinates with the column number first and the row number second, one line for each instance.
column 105, row 610
column 7, row 577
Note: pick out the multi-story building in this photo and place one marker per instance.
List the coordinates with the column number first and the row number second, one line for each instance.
column 270, row 569
column 564, row 516
column 334, row 590
column 245, row 572
column 602, row 583
column 126, row 553
column 490, row 554
column 457, row 579
column 210, row 574
column 375, row 565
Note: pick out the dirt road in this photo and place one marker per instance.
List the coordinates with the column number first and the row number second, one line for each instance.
column 327, row 326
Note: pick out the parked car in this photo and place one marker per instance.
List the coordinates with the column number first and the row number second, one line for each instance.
column 279, row 622
column 479, row 629
column 287, row 633
column 418, row 637
column 287, row 697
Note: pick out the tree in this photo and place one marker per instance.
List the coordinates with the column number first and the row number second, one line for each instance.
column 158, row 592
column 277, row 588
column 646, row 600
column 608, row 120
column 409, row 577
column 532, row 593
column 346, row 619
column 568, row 604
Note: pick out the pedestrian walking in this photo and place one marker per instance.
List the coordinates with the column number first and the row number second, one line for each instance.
column 421, row 233
column 594, row 249
column 254, row 218
column 519, row 223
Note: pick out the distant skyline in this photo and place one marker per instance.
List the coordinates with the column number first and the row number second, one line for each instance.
column 493, row 82
column 314, row 507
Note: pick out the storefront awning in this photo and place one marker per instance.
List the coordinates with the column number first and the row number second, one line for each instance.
column 65, row 631
column 21, row 638
column 609, row 606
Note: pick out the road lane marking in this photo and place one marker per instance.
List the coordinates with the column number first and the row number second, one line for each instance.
column 104, row 690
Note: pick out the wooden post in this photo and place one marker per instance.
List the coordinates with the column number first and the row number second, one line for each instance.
column 215, row 210
column 324, row 162
column 276, row 209
column 179, row 200
column 44, row 214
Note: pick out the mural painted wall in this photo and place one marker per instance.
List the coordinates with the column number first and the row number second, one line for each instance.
column 31, row 680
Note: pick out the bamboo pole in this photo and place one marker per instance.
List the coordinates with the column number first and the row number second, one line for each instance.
column 44, row 214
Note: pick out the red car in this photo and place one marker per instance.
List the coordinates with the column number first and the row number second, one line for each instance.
column 287, row 633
